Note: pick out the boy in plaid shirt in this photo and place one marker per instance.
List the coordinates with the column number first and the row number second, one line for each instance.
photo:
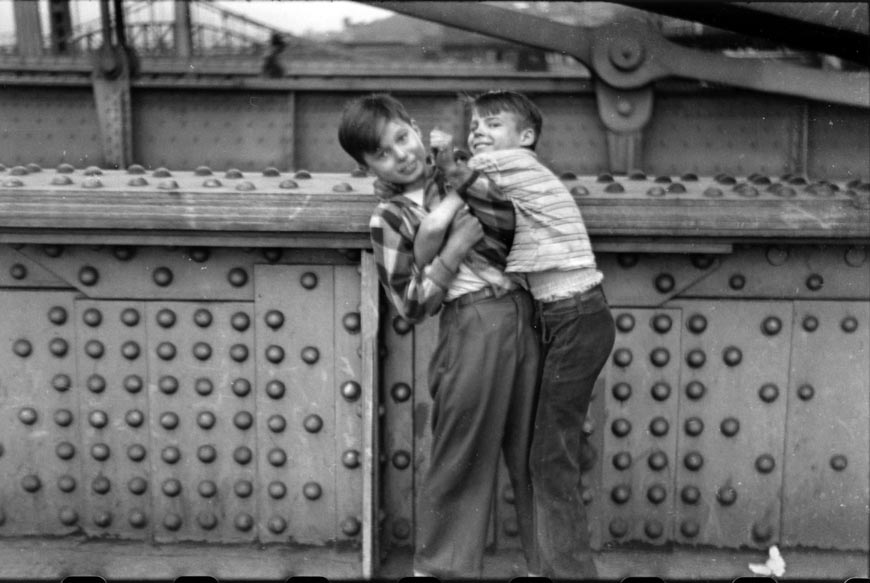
column 482, row 375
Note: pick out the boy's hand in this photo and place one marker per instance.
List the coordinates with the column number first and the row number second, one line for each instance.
column 441, row 144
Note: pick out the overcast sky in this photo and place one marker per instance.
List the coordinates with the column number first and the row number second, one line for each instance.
column 294, row 16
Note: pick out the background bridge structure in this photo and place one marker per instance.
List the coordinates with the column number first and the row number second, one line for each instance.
column 195, row 354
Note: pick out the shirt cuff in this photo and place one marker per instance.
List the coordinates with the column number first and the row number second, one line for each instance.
column 439, row 273
column 462, row 188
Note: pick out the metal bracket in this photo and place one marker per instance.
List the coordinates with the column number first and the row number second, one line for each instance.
column 111, row 81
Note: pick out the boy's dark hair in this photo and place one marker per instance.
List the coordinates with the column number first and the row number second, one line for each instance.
column 528, row 114
column 362, row 121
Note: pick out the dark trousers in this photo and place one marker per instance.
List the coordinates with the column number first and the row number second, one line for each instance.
column 482, row 380
column 577, row 337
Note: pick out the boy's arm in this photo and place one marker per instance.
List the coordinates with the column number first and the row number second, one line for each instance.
column 433, row 228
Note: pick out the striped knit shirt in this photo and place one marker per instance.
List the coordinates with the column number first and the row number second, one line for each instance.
column 550, row 234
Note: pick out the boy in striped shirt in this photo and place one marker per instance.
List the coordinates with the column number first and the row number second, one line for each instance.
column 551, row 248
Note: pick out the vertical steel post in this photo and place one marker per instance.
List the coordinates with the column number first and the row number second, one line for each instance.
column 182, row 30
column 28, row 28
column 370, row 381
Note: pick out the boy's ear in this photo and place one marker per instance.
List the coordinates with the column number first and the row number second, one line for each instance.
column 527, row 137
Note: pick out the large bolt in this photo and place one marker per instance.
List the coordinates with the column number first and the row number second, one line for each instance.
column 626, row 54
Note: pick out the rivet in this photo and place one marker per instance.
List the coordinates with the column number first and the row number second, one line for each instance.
column 579, row 191
column 240, row 387
column 239, row 352
column 656, row 494
column 713, row 192
column 614, row 188
column 171, row 487
column 237, row 277
column 61, row 382
column 694, row 426
column 765, row 463
column 276, row 525
column 22, row 348
column 137, row 181
column 849, row 324
column 65, row 450
column 101, row 485
column 273, row 255
column 63, row 417
column 98, row 419
column 352, row 322
column 167, row 384
column 727, row 179
column 58, row 347
column 31, row 483
column 130, row 317
column 729, row 427
column 28, row 415
column 620, row 427
column 169, row 420
column 234, row 174
column 275, row 389
column 207, row 488
column 658, row 460
column 777, row 255
column 806, row 392
column 242, row 455
column 302, row 174
column 839, row 462
column 659, row 426
column 103, row 519
column 762, row 532
column 166, row 318
column 618, row 527
column 274, row 354
column 693, row 461
column 660, row 391
column 726, row 495
column 94, row 349
column 313, row 423
column 689, row 528
column 312, row 490
column 242, row 420
column 665, row 283
column 92, row 171
column 401, row 459
column 166, row 350
column 695, row 390
column 604, row 178
column 201, row 351
column 746, row 190
column 350, row 458
column 276, row 457
column 653, row 528
column 18, row 271
column 245, row 186
column 88, row 275
column 855, row 256
column 135, row 169
column 400, row 392
column 401, row 326
column 134, row 417
column 274, row 319
column 100, row 452
column 202, row 318
column 161, row 172
column 65, row 168
column 625, row 322
column 690, row 495
column 810, row 323
column 771, row 326
column 656, row 191
column 732, row 356
column 53, row 251
column 66, row 483
column 12, row 183
column 162, row 276
column 172, row 522
column 199, row 254
column 737, row 282
column 240, row 321
column 288, row 184
column 92, row 182
column 660, row 357
column 243, row 522
column 622, row 460
column 136, row 452
column 768, row 392
column 815, row 282
column 350, row 526
column 276, row 423
column 627, row 260
column 277, row 490
column 205, row 419
column 621, row 391
column 310, row 355
column 696, row 358
column 661, row 323
column 621, row 494
column 342, row 187
column 677, row 188
column 137, row 485
column 637, row 175
column 130, row 350
column 622, row 357
column 170, row 454
column 243, row 488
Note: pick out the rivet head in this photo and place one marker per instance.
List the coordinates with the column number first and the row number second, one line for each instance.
column 302, row 174
column 130, row 317
column 729, row 427
column 312, row 490
column 659, row 426
column 239, row 352
column 199, row 254
column 768, row 392
column 350, row 526
column 130, row 350
column 401, row 326
column 620, row 427
column 695, row 390
column 771, row 326
column 161, row 172
column 98, row 419
column 621, row 391
column 240, row 321
column 166, row 350
column 212, row 183
column 103, row 519
column 245, row 186
column 274, row 354
column 689, row 528
column 100, row 452
column 855, row 256
column 201, row 351
column 401, row 459
column 22, row 348
column 242, row 455
column 274, row 319
column 726, row 495
column 737, row 282
column 400, row 392
column 660, row 357
column 137, row 485
column 690, row 495
column 694, row 426
column 92, row 182
column 18, row 271
column 101, row 485
column 172, row 522
column 240, row 387
column 276, row 525
column 167, row 384
column 696, row 358
column 732, row 356
column 66, row 483
column 815, row 282
column 849, row 324
column 171, row 487
column 166, row 318
column 308, row 280
column 136, row 452
column 806, row 392
column 653, row 528
column 63, row 417
column 656, row 494
column 134, row 418
column 277, row 490
column 622, row 460
column 310, row 355
column 658, row 460
column 350, row 458
column 288, row 184
column 243, row 522
column 167, row 185
column 137, row 181
column 170, row 454
column 625, row 322
column 765, row 463
column 627, row 260
column 206, row 489
column 762, row 533
column 65, row 450
column 693, row 461
column 776, row 255
column 58, row 347
column 313, row 423
column 206, row 453
column 88, row 275
column 28, row 415
column 94, row 349
column 578, row 190
column 237, row 277
column 242, row 420
column 713, row 192
column 665, row 283
column 618, row 527
column 342, row 187
column 243, row 488
column 810, row 323
column 275, row 389
column 31, row 483
column 660, row 391
column 621, row 494
column 839, row 462
column 661, row 323
column 61, row 382
column 206, row 419
column 622, row 357
column 202, row 318
column 162, row 276
column 276, row 423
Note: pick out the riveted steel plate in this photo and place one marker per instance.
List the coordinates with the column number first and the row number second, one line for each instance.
column 296, row 380
column 186, row 129
column 710, row 134
column 49, row 125
column 789, row 271
column 826, row 491
column 573, row 138
column 41, row 481
column 399, row 427
column 348, row 418
column 640, row 279
column 18, row 270
column 634, row 423
column 837, row 142
column 112, row 388
column 176, row 273
column 203, row 435
column 735, row 362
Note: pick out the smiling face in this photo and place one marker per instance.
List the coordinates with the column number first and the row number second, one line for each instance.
column 401, row 155
column 490, row 132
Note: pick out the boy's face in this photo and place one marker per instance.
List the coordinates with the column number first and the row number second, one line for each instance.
column 401, row 155
column 499, row 131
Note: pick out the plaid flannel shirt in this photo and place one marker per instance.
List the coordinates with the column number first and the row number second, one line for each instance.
column 418, row 292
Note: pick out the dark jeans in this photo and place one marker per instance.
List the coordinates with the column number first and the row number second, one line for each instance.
column 577, row 337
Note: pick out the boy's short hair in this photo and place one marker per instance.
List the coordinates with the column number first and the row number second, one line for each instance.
column 528, row 114
column 363, row 120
